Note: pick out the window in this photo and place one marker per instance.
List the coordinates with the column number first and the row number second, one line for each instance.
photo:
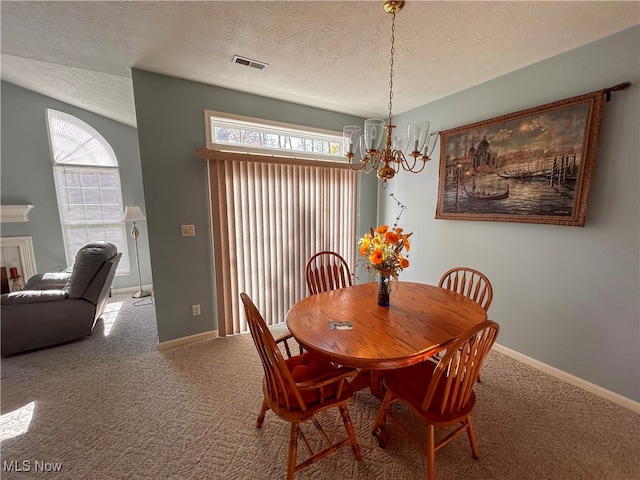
column 87, row 181
column 270, row 214
column 236, row 133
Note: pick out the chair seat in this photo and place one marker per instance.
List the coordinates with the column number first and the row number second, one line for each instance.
column 297, row 415
column 308, row 367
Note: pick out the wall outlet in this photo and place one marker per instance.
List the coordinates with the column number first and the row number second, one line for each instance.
column 188, row 230
column 195, row 309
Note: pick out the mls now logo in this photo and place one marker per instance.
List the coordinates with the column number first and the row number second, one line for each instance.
column 29, row 466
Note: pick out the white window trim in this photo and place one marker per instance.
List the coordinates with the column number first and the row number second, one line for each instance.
column 272, row 127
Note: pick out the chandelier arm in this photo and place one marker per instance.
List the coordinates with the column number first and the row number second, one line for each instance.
column 376, row 160
column 368, row 167
column 363, row 166
column 424, row 162
column 407, row 166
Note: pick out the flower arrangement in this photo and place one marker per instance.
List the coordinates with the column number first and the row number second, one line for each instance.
column 383, row 248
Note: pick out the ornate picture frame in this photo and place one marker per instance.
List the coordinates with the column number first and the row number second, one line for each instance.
column 531, row 166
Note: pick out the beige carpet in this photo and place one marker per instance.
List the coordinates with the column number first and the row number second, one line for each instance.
column 112, row 406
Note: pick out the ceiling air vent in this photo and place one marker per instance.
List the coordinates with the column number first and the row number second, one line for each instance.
column 249, row 63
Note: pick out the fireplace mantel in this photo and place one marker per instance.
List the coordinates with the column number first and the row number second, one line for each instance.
column 15, row 213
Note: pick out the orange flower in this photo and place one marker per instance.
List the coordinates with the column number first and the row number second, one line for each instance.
column 383, row 248
column 391, row 237
column 376, row 257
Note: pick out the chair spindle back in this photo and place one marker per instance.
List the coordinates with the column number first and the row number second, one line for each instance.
column 327, row 271
column 470, row 283
column 459, row 368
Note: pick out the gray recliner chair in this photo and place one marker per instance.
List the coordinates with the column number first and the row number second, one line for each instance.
column 55, row 308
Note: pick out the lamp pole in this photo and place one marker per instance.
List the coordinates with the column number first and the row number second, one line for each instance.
column 140, row 293
column 133, row 214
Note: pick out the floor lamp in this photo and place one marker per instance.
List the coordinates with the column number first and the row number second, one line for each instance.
column 134, row 214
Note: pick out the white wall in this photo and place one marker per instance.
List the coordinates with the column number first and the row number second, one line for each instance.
column 566, row 296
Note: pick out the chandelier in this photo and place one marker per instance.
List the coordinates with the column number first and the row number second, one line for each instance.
column 408, row 152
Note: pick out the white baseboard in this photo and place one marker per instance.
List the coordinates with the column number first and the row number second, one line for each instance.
column 186, row 340
column 578, row 382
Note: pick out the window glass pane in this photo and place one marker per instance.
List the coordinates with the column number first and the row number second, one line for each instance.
column 92, row 196
column 74, row 196
column 74, row 214
column 108, row 180
column 110, row 201
column 90, row 179
column 255, row 135
column 73, row 179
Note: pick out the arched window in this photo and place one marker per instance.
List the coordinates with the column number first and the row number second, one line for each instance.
column 87, row 180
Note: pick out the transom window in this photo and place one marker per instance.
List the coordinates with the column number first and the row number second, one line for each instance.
column 87, row 181
column 236, row 133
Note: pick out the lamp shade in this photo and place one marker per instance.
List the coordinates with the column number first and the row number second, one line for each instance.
column 133, row 214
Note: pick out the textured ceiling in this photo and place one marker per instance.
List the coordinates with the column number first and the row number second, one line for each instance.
column 333, row 55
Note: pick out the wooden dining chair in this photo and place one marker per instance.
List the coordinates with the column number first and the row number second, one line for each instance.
column 440, row 395
column 299, row 388
column 327, row 271
column 470, row 283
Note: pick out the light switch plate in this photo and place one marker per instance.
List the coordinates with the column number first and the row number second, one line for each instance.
column 188, row 230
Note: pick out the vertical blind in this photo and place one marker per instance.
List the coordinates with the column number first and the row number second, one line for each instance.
column 268, row 218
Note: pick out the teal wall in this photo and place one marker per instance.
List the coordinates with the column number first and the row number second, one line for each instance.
column 170, row 119
column 27, row 176
column 566, row 296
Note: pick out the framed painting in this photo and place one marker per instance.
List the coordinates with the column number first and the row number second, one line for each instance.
column 531, row 166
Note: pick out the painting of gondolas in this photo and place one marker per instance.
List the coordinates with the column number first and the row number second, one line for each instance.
column 532, row 166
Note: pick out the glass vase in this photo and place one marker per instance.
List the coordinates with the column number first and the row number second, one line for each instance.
column 384, row 289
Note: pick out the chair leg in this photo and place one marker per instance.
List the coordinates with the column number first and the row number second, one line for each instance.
column 378, row 425
column 293, row 451
column 263, row 412
column 431, row 453
column 472, row 438
column 351, row 432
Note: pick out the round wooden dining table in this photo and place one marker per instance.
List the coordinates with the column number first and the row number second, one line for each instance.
column 420, row 321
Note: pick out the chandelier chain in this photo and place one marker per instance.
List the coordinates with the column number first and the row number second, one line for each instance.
column 389, row 158
column 393, row 39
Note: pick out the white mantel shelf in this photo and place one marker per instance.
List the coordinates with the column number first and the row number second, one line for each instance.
column 15, row 213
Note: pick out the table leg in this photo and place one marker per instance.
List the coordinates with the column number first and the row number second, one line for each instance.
column 361, row 381
column 375, row 384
